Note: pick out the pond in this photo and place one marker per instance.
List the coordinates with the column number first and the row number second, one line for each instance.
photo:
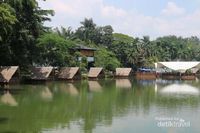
column 104, row 106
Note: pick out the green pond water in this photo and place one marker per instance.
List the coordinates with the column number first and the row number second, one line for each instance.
column 104, row 106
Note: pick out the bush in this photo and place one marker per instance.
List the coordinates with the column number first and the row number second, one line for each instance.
column 106, row 59
column 54, row 50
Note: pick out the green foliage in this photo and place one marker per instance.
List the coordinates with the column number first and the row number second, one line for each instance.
column 83, row 64
column 90, row 33
column 24, row 41
column 118, row 37
column 74, row 58
column 106, row 59
column 54, row 50
column 87, row 31
column 7, row 20
column 124, row 48
column 150, row 61
column 176, row 48
column 24, row 20
column 66, row 33
column 107, row 36
column 143, row 52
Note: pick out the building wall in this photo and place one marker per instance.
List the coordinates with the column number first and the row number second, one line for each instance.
column 87, row 53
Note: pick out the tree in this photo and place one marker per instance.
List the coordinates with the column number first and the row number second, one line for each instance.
column 87, row 30
column 124, row 48
column 99, row 35
column 173, row 48
column 106, row 59
column 107, row 36
column 66, row 33
column 28, row 27
column 54, row 50
column 7, row 20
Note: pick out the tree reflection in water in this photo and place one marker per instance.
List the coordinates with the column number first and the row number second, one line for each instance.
column 78, row 105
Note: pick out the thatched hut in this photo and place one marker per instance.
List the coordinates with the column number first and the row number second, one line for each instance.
column 123, row 72
column 9, row 74
column 96, row 72
column 42, row 73
column 69, row 73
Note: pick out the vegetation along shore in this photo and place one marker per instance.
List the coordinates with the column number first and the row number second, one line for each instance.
column 25, row 41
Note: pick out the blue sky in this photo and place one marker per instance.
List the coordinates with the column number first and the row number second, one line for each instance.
column 153, row 7
column 133, row 17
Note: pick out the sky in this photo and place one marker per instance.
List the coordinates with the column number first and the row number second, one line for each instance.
column 136, row 18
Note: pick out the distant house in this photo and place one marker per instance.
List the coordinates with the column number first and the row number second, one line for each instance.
column 88, row 53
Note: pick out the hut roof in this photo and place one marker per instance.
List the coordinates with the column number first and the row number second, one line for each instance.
column 41, row 73
column 95, row 72
column 82, row 47
column 7, row 72
column 123, row 71
column 68, row 72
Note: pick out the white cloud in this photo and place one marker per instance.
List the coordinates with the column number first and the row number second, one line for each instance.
column 173, row 10
column 71, row 12
column 74, row 8
column 111, row 11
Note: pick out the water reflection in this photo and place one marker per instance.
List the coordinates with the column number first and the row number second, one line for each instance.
column 180, row 89
column 72, row 89
column 112, row 110
column 94, row 86
column 8, row 99
column 176, row 88
column 177, row 95
column 123, row 83
column 46, row 94
column 68, row 88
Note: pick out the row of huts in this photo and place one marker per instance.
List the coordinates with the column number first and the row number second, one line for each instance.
column 178, row 70
column 12, row 73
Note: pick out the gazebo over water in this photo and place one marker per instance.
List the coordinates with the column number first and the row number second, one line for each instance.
column 177, row 70
column 181, row 67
